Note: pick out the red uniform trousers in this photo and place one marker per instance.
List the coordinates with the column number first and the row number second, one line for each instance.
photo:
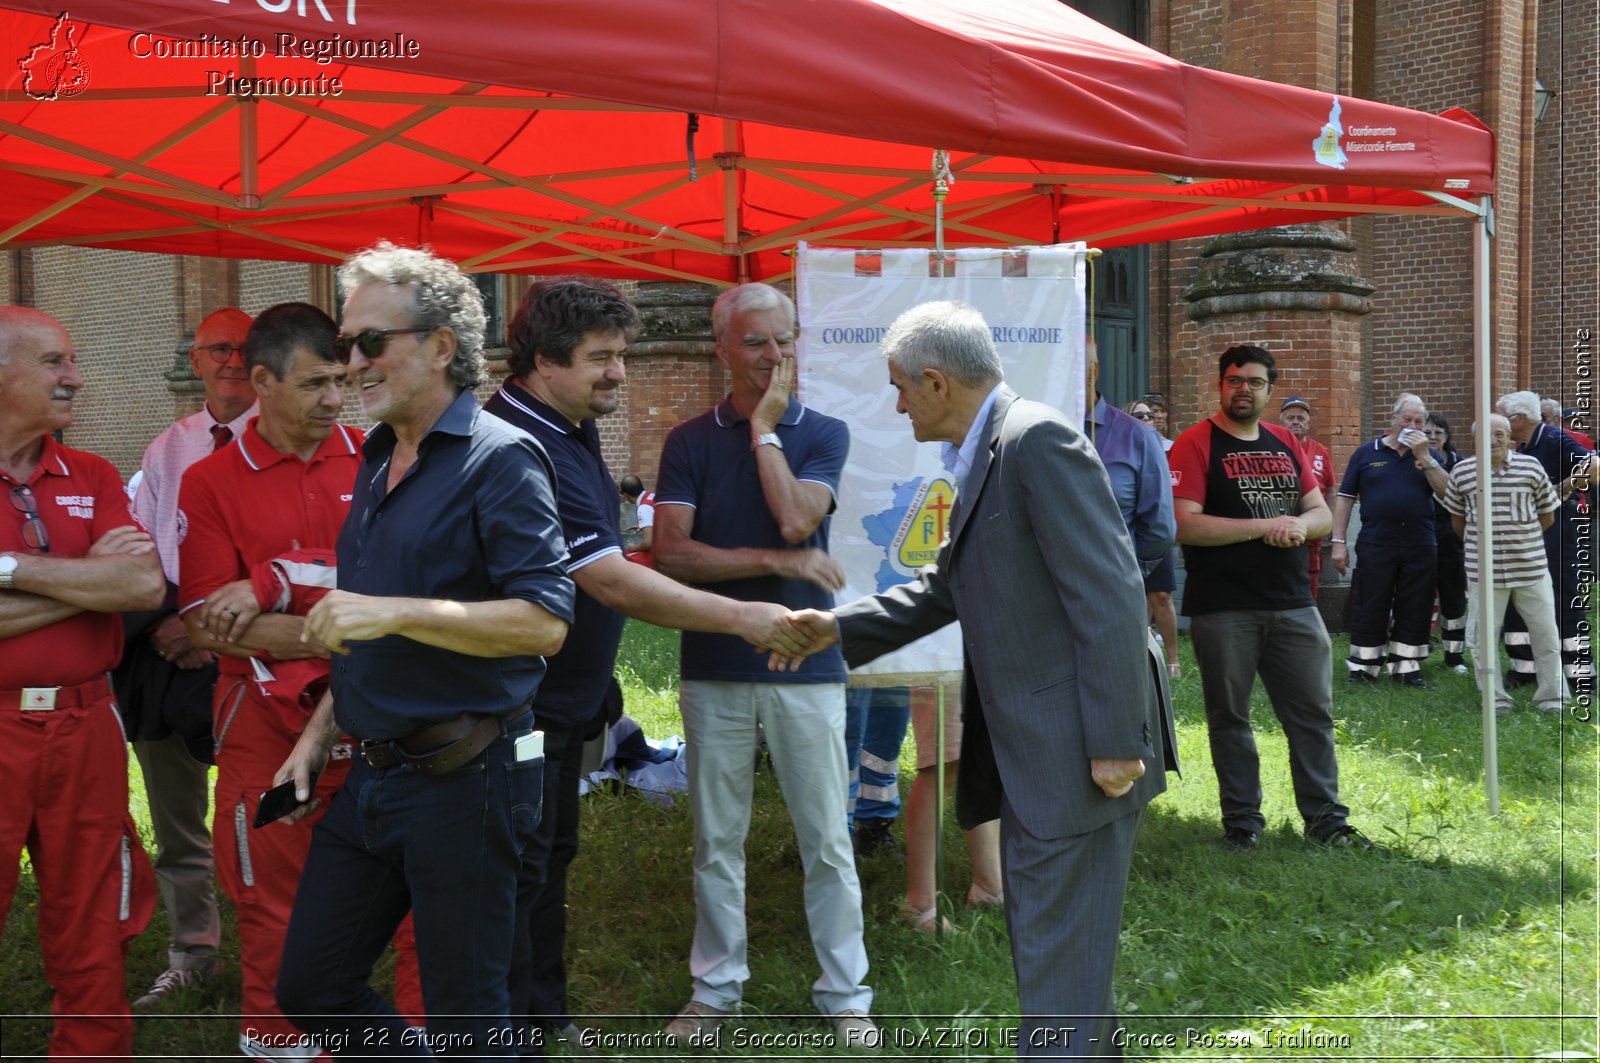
column 260, row 869
column 64, row 795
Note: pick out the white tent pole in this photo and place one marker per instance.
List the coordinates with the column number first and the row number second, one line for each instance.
column 1487, row 648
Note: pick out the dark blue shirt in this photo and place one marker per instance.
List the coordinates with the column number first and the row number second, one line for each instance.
column 1131, row 452
column 1559, row 453
column 576, row 679
column 707, row 463
column 1396, row 501
column 473, row 520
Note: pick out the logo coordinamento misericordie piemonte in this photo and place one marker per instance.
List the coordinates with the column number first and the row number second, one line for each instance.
column 54, row 69
column 1326, row 147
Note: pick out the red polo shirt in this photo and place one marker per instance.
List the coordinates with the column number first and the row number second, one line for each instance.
column 249, row 502
column 80, row 498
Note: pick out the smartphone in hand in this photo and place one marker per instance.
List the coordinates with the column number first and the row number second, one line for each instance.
column 279, row 802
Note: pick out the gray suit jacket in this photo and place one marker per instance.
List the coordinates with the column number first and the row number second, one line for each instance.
column 1040, row 571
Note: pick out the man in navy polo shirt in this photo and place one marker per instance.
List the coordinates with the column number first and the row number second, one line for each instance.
column 743, row 502
column 1395, row 477
column 567, row 342
column 1570, row 468
column 452, row 588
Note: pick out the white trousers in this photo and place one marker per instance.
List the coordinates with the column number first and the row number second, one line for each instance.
column 1536, row 603
column 804, row 728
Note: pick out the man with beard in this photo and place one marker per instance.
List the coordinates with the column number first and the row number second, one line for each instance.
column 567, row 344
column 1246, row 504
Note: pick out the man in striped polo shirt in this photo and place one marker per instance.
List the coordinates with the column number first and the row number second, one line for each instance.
column 1523, row 504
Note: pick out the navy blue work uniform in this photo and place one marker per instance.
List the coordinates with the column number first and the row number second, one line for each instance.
column 570, row 705
column 1450, row 577
column 1396, row 562
column 1572, row 531
column 474, row 519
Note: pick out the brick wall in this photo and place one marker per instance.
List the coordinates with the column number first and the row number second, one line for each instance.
column 1429, row 55
column 1565, row 255
column 121, row 310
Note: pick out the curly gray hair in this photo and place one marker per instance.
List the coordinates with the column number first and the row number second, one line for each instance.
column 441, row 297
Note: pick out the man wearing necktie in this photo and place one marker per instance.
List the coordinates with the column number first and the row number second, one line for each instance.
column 163, row 683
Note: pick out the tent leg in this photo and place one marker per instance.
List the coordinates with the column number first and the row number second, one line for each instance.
column 1487, row 649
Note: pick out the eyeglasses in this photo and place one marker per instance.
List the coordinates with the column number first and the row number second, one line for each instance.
column 1145, row 416
column 221, row 352
column 34, row 533
column 1254, row 383
column 372, row 342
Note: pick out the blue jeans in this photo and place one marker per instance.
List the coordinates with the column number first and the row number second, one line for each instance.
column 446, row 848
column 538, row 968
column 875, row 721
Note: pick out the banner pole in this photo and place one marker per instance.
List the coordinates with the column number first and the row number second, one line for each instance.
column 942, row 179
column 938, row 780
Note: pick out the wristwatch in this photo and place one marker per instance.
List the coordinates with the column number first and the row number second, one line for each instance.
column 764, row 439
column 8, row 571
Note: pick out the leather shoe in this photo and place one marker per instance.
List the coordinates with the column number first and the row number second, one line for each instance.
column 854, row 1031
column 1240, row 839
column 696, row 1025
column 1410, row 679
column 1362, row 677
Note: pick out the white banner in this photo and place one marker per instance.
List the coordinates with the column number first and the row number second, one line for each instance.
column 895, row 498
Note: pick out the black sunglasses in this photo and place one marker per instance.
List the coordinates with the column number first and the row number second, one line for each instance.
column 372, row 341
column 34, row 533
column 1146, row 416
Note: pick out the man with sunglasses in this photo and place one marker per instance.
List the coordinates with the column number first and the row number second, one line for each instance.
column 165, row 683
column 71, row 559
column 452, row 590
column 1247, row 502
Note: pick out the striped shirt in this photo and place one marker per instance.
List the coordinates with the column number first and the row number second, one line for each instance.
column 1518, row 493
column 165, row 462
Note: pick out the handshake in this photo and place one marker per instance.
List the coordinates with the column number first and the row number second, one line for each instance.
column 790, row 637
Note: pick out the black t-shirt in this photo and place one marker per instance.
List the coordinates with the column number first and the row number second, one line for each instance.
column 1242, row 479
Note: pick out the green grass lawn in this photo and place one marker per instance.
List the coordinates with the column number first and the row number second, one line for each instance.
column 1467, row 937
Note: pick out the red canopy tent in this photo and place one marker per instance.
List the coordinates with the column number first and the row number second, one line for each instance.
column 684, row 139
column 534, row 134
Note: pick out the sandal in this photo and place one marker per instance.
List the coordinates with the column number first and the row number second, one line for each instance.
column 924, row 921
column 978, row 897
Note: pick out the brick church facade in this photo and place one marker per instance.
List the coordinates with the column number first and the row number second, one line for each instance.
column 1356, row 311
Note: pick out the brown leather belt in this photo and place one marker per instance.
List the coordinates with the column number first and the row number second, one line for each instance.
column 438, row 748
column 48, row 699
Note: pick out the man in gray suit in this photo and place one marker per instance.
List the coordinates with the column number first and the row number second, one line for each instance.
column 1063, row 741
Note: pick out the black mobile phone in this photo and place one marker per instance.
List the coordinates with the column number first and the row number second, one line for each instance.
column 279, row 802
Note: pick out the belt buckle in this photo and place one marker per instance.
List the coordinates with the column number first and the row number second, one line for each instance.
column 38, row 699
column 378, row 754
